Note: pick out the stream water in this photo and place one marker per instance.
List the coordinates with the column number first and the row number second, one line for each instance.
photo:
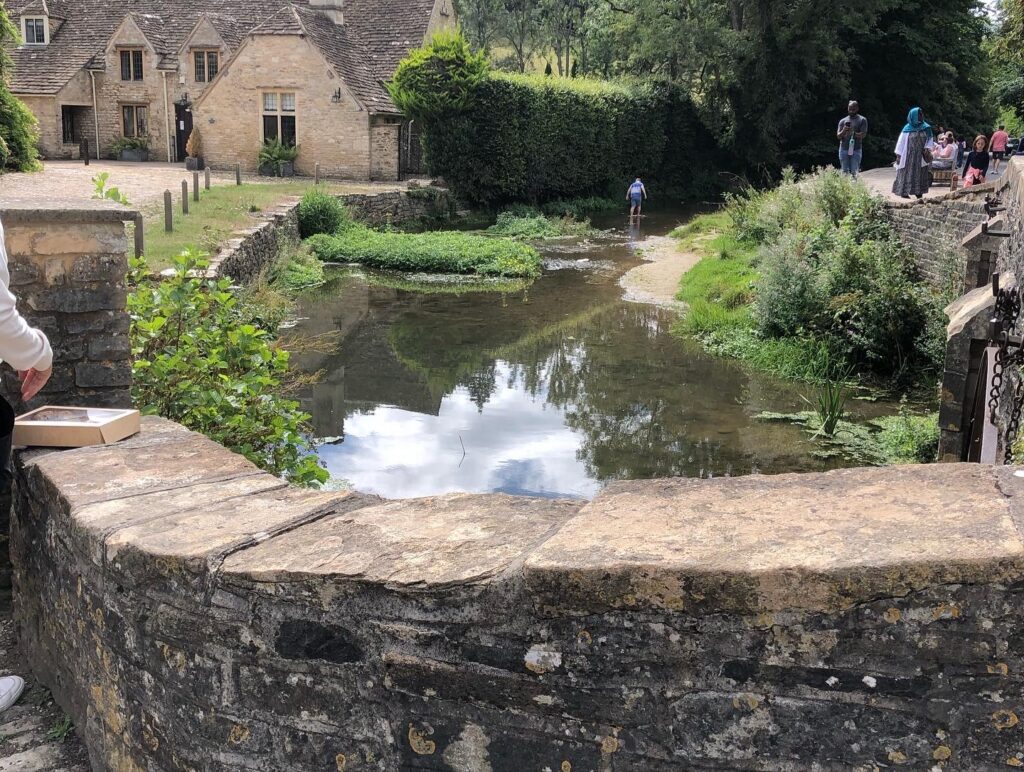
column 548, row 391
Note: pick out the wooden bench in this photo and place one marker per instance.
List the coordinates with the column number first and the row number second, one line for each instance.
column 949, row 177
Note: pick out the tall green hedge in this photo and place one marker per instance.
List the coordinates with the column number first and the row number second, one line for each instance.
column 531, row 138
column 18, row 128
column 536, row 138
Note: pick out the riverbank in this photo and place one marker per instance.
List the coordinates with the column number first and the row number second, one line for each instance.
column 657, row 281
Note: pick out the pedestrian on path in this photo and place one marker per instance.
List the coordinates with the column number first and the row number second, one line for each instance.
column 853, row 127
column 997, row 147
column 913, row 156
column 635, row 196
column 27, row 350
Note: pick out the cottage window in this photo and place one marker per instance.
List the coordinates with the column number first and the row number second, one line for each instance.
column 35, row 31
column 135, row 120
column 206, row 65
column 279, row 116
column 131, row 64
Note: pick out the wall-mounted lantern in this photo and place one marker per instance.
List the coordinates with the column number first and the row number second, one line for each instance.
column 336, row 96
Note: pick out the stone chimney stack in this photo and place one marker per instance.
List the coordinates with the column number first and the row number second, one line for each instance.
column 330, row 8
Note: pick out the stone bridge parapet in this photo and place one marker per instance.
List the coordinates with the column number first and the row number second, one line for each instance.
column 194, row 613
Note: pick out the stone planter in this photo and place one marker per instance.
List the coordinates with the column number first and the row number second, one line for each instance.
column 194, row 164
column 132, row 154
column 286, row 169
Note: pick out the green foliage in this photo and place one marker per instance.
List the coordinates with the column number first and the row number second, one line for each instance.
column 441, row 77
column 201, row 360
column 129, row 143
column 532, row 138
column 298, row 270
column 60, row 730
column 432, row 252
column 274, row 153
column 320, row 212
column 100, row 190
column 537, row 226
column 830, row 404
column 906, row 438
column 19, row 131
column 582, row 207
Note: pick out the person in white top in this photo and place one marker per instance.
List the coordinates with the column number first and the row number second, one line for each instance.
column 27, row 350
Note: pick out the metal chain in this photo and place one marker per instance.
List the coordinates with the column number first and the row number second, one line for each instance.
column 1014, row 424
column 1005, row 316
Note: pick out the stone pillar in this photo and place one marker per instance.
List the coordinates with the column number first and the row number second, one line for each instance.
column 68, row 265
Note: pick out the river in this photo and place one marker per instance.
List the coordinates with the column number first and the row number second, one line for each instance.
column 549, row 391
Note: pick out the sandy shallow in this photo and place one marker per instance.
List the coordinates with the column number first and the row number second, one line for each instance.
column 657, row 280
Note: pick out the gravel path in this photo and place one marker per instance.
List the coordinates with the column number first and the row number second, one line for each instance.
column 143, row 183
column 657, row 280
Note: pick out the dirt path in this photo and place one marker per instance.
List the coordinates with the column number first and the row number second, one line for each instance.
column 657, row 280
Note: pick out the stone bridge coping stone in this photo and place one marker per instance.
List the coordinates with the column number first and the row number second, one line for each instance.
column 59, row 210
column 175, row 501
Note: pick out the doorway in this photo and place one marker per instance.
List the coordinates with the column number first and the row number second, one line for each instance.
column 183, row 129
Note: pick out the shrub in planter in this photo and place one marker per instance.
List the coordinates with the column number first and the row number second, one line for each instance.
column 277, row 159
column 194, row 148
column 131, row 148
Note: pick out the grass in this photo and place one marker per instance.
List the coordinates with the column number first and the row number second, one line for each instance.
column 537, row 226
column 220, row 211
column 432, row 252
column 60, row 730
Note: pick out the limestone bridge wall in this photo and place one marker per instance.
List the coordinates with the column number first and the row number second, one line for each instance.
column 194, row 613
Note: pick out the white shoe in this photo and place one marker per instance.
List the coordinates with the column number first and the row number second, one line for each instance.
column 11, row 687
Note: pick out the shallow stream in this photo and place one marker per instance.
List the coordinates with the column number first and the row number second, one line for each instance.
column 549, row 391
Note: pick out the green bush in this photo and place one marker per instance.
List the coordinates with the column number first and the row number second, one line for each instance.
column 432, row 252
column 320, row 212
column 581, row 208
column 537, row 226
column 498, row 138
column 908, row 439
column 200, row 360
column 297, row 271
column 19, row 134
column 129, row 143
column 442, row 76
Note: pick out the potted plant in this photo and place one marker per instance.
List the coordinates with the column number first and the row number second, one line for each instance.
column 131, row 148
column 194, row 148
column 277, row 159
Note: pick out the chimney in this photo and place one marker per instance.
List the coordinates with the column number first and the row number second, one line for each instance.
column 330, row 8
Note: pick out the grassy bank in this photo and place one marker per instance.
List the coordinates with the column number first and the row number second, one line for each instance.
column 808, row 281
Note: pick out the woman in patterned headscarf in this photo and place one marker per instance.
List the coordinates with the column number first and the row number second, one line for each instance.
column 913, row 156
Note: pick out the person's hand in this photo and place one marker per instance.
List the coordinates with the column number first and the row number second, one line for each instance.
column 32, row 380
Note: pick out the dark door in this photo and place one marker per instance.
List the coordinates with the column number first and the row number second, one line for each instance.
column 183, row 128
column 410, row 150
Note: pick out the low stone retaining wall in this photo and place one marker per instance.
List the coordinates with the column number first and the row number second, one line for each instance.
column 934, row 228
column 253, row 250
column 191, row 612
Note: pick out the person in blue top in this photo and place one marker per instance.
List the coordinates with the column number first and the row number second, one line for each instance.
column 635, row 196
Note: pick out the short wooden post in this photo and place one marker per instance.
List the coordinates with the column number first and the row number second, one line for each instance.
column 238, row 174
column 195, row 186
column 206, row 180
column 316, row 174
column 184, row 196
column 140, row 237
column 168, row 211
column 83, row 150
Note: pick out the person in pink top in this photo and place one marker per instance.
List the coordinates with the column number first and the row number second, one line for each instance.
column 997, row 147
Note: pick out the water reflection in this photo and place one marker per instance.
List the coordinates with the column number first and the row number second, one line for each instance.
column 550, row 391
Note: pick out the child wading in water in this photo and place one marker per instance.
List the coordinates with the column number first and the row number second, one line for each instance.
column 635, row 196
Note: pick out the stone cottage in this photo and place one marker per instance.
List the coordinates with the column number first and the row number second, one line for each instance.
column 307, row 71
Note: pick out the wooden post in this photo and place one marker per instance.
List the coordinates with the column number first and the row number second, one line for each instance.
column 206, row 180
column 316, row 174
column 168, row 211
column 195, row 186
column 140, row 237
column 238, row 174
column 83, row 150
column 184, row 196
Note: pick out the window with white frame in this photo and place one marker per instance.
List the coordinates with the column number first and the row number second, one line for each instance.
column 131, row 63
column 279, row 116
column 207, row 63
column 135, row 120
column 34, row 31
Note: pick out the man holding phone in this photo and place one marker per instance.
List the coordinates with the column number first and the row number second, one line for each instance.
column 853, row 127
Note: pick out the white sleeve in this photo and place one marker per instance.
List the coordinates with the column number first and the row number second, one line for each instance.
column 21, row 346
column 901, row 144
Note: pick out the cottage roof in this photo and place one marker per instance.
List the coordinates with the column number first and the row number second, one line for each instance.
column 364, row 50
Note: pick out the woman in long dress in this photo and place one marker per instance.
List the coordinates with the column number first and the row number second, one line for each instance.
column 912, row 169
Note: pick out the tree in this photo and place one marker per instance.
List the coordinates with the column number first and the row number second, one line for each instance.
column 19, row 131
column 481, row 22
column 1007, row 57
column 439, row 78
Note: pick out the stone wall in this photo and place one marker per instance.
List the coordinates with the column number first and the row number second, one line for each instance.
column 417, row 204
column 68, row 265
column 934, row 229
column 384, row 149
column 1011, row 192
column 191, row 612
